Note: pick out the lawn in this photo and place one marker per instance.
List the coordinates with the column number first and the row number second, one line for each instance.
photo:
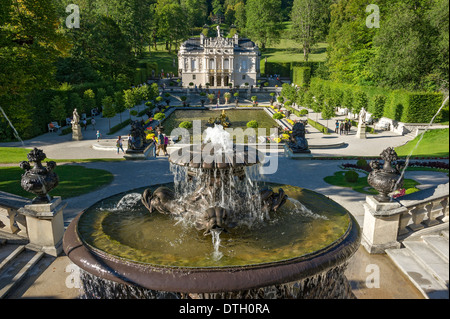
column 435, row 143
column 15, row 155
column 361, row 185
column 9, row 155
column 73, row 181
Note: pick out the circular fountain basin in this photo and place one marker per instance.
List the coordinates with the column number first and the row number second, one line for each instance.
column 310, row 235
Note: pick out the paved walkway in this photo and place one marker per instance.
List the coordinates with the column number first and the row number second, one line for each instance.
column 306, row 174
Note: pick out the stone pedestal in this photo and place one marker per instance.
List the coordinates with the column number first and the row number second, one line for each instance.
column 45, row 225
column 361, row 132
column 297, row 156
column 76, row 133
column 381, row 225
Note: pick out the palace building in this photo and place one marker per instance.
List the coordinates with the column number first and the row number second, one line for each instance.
column 219, row 61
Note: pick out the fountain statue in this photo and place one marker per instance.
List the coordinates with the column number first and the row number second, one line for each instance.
column 222, row 120
column 220, row 199
column 297, row 141
column 267, row 240
column 138, row 140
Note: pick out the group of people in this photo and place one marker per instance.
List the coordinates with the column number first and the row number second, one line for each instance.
column 343, row 127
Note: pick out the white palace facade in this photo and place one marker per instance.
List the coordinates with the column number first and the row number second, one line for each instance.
column 219, row 61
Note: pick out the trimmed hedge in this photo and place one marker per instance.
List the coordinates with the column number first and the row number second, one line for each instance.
column 283, row 69
column 399, row 105
column 301, row 76
column 286, row 69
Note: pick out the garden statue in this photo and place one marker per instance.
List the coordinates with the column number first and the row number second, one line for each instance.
column 386, row 178
column 76, row 128
column 297, row 141
column 362, row 116
column 39, row 180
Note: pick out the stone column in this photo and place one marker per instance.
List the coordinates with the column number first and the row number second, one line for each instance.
column 381, row 224
column 45, row 226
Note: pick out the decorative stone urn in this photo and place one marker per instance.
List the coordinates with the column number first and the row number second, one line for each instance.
column 386, row 178
column 39, row 180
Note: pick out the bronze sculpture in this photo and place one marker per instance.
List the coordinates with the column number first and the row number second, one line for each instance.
column 386, row 178
column 39, row 180
column 297, row 141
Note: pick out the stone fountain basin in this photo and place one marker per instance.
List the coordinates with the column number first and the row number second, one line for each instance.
column 212, row 279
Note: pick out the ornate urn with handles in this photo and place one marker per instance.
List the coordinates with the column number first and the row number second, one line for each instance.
column 39, row 180
column 386, row 178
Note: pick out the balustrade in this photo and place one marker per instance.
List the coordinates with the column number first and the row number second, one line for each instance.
column 387, row 224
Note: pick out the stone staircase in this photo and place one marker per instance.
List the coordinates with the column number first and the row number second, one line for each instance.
column 16, row 263
column 425, row 261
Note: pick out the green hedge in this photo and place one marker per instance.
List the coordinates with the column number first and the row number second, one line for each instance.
column 286, row 69
column 399, row 105
column 283, row 69
column 301, row 76
column 422, row 107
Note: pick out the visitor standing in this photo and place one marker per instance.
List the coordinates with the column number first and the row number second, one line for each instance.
column 166, row 142
column 341, row 128
column 93, row 123
column 119, row 145
column 337, row 127
column 98, row 136
column 160, row 143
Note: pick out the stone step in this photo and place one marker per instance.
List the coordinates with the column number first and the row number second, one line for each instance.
column 444, row 234
column 439, row 244
column 16, row 270
column 430, row 260
column 10, row 257
column 430, row 287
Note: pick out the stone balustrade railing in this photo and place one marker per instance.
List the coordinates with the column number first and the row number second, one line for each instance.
column 387, row 224
column 41, row 224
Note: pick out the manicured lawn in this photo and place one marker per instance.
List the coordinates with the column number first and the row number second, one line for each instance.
column 15, row 155
column 361, row 186
column 73, row 181
column 9, row 155
column 435, row 143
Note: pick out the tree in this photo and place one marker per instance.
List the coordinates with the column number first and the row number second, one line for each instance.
column 119, row 103
column 30, row 44
column 197, row 12
column 309, row 23
column 58, row 112
column 88, row 101
column 170, row 19
column 328, row 110
column 131, row 99
column 263, row 21
column 360, row 101
column 350, row 40
column 405, row 49
column 240, row 16
column 108, row 109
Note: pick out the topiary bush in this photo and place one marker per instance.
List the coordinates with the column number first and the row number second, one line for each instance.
column 187, row 125
column 159, row 116
column 252, row 124
column 351, row 176
column 278, row 116
column 361, row 163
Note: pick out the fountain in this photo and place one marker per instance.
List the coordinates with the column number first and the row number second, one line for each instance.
column 219, row 233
